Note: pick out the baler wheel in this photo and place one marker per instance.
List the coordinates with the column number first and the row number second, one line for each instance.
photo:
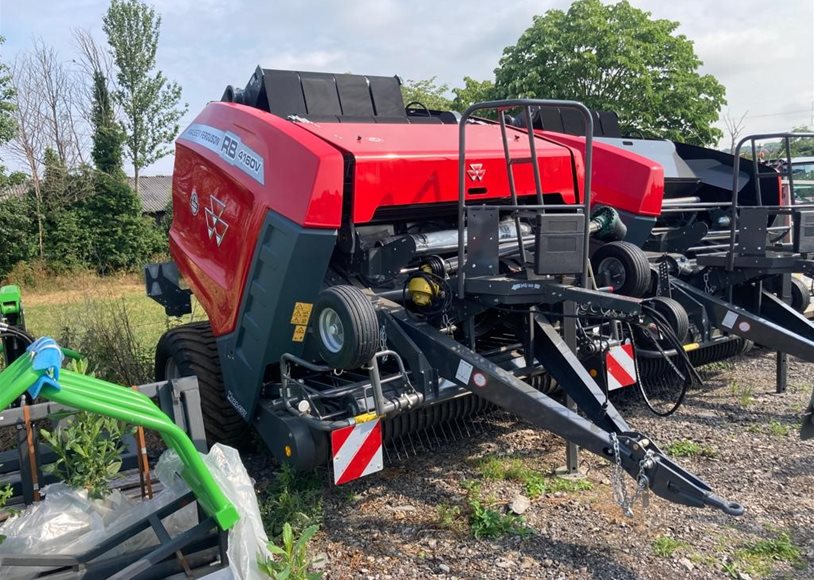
column 674, row 313
column 624, row 266
column 346, row 327
column 189, row 350
column 800, row 295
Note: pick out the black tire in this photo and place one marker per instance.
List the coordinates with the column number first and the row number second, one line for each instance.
column 675, row 315
column 355, row 340
column 800, row 295
column 190, row 350
column 623, row 266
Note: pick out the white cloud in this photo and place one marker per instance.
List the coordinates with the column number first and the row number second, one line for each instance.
column 763, row 52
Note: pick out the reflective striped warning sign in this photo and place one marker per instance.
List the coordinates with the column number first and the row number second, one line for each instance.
column 357, row 451
column 620, row 366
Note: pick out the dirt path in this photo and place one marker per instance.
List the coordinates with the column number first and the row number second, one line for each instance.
column 413, row 520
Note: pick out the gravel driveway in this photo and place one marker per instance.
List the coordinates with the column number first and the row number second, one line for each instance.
column 413, row 520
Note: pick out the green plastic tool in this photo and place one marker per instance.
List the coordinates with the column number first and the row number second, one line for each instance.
column 97, row 396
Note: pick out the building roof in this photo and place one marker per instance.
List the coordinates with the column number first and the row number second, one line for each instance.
column 155, row 191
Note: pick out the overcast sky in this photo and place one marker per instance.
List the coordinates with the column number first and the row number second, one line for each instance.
column 762, row 51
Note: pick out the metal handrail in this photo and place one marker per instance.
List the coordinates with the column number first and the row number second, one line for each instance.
column 733, row 224
column 501, row 107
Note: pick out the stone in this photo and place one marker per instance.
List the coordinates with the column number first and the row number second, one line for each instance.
column 687, row 564
column 444, row 568
column 519, row 504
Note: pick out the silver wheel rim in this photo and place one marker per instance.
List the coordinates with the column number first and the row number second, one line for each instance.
column 171, row 370
column 331, row 331
column 611, row 271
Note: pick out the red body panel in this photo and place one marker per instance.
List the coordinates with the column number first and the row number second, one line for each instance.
column 303, row 182
column 621, row 179
column 399, row 164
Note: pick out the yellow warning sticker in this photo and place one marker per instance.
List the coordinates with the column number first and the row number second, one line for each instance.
column 299, row 333
column 302, row 313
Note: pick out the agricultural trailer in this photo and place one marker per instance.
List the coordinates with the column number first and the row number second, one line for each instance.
column 371, row 271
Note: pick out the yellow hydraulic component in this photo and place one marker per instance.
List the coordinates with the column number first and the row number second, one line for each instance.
column 422, row 289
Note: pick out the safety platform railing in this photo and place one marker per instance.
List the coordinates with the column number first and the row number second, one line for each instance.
column 515, row 208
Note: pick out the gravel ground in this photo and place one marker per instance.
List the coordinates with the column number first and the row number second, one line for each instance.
column 389, row 525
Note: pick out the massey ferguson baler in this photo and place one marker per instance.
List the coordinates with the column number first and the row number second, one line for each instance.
column 371, row 271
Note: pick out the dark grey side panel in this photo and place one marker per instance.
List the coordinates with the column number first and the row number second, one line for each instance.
column 289, row 266
column 638, row 227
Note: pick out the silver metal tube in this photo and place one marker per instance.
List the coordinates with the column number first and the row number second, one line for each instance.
column 447, row 240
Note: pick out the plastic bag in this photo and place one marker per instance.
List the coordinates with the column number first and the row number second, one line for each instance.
column 247, row 539
column 66, row 521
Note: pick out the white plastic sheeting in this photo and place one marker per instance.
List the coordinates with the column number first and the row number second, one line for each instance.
column 68, row 522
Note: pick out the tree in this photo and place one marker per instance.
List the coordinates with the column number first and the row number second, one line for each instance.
column 30, row 137
column 108, row 137
column 7, row 122
column 149, row 102
column 615, row 57
column 472, row 92
column 428, row 93
column 734, row 127
column 8, row 125
column 800, row 146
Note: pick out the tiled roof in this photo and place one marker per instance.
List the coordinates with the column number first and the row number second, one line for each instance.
column 155, row 191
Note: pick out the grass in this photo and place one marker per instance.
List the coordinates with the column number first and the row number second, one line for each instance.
column 293, row 498
column 759, row 558
column 108, row 319
column 666, row 546
column 744, row 393
column 687, row 448
column 485, row 522
column 534, row 482
column 779, row 429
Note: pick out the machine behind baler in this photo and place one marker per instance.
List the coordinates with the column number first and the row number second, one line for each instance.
column 368, row 268
column 723, row 246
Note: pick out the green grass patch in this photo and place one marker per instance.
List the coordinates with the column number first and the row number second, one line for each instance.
column 666, row 546
column 687, row 448
column 534, row 482
column 759, row 558
column 487, row 522
column 449, row 516
column 293, row 498
column 744, row 393
column 778, row 429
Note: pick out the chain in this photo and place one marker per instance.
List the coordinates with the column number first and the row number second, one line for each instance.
column 706, row 283
column 620, row 492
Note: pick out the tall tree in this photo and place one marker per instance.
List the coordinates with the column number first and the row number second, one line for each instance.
column 108, row 137
column 30, row 137
column 473, row 92
column 734, row 128
column 149, row 102
column 8, row 124
column 427, row 92
column 615, row 57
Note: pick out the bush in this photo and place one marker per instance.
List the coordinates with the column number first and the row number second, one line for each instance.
column 17, row 233
column 88, row 449
column 106, row 336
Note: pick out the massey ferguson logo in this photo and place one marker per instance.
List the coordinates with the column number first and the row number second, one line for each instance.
column 476, row 171
column 215, row 225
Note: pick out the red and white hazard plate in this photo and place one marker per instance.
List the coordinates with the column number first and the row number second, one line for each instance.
column 357, row 451
column 621, row 367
